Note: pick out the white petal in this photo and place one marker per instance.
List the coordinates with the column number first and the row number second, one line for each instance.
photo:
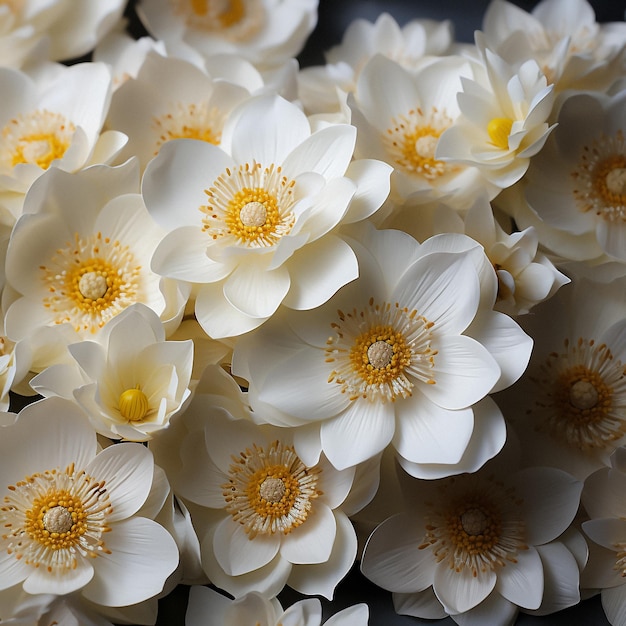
column 550, row 500
column 312, row 542
column 373, row 185
column 127, row 470
column 360, row 432
column 614, row 605
column 318, row 270
column 59, row 583
column 238, row 554
column 461, row 591
column 423, row 604
column 522, row 582
column 12, row 570
column 602, row 495
column 392, row 558
column 561, row 578
column 427, row 433
column 464, row 372
column 322, row 578
column 356, row 615
column 606, row 532
column 493, row 610
column 255, row 290
column 142, row 556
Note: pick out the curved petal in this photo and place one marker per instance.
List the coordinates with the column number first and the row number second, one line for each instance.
column 13, row 570
column 423, row 604
column 607, row 532
column 614, row 604
column 360, row 432
column 237, row 553
column 522, row 582
column 393, row 560
column 493, row 610
column 464, row 372
column 140, row 556
column 318, row 270
column 312, row 542
column 461, row 591
column 126, row 470
column 40, row 580
column 602, row 495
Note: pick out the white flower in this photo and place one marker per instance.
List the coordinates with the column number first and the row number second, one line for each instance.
column 478, row 545
column 503, row 119
column 69, row 520
column 57, row 30
column 573, row 50
column 54, row 122
column 401, row 115
column 209, row 608
column 80, row 255
column 402, row 355
column 266, row 32
column 569, row 408
column 252, row 221
column 131, row 382
column 266, row 518
column 172, row 99
column 409, row 45
column 604, row 502
column 575, row 189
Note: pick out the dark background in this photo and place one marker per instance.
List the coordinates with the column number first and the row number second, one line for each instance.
column 334, row 17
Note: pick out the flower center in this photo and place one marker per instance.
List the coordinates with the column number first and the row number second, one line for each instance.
column 252, row 205
column 237, row 20
column 133, row 404
column 411, row 141
column 52, row 519
column 89, row 281
column 38, row 138
column 600, row 178
column 475, row 524
column 270, row 490
column 583, row 390
column 379, row 352
column 499, row 129
column 189, row 121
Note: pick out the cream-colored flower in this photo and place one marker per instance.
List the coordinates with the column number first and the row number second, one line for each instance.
column 130, row 382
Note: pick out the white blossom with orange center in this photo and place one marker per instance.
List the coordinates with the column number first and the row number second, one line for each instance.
column 52, row 122
column 68, row 512
column 504, row 118
column 174, row 99
column 266, row 32
column 130, row 382
column 268, row 519
column 389, row 360
column 402, row 114
column 254, row 222
column 475, row 544
column 576, row 187
column 80, row 256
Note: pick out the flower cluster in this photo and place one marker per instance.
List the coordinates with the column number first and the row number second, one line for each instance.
column 278, row 322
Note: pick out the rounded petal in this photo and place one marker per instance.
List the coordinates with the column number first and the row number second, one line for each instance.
column 140, row 556
column 313, row 541
column 461, row 591
column 40, row 580
column 522, row 582
column 493, row 610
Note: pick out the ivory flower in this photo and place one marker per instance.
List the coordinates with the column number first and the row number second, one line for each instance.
column 478, row 546
column 209, row 608
column 503, row 119
column 402, row 355
column 80, row 255
column 131, row 382
column 266, row 32
column 575, row 189
column 252, row 221
column 54, row 122
column 266, row 518
column 69, row 512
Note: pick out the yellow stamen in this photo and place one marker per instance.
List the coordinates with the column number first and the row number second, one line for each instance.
column 499, row 129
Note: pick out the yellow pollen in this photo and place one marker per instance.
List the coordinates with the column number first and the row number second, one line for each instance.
column 92, row 285
column 583, row 395
column 38, row 138
column 499, row 129
column 253, row 214
column 133, row 404
column 200, row 7
column 58, row 520
column 425, row 146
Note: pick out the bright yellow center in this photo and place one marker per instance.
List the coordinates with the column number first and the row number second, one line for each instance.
column 133, row 404
column 94, row 284
column 411, row 141
column 499, row 129
column 38, row 138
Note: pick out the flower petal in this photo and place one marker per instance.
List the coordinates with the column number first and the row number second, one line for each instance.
column 522, row 582
column 312, row 542
column 461, row 591
column 40, row 580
